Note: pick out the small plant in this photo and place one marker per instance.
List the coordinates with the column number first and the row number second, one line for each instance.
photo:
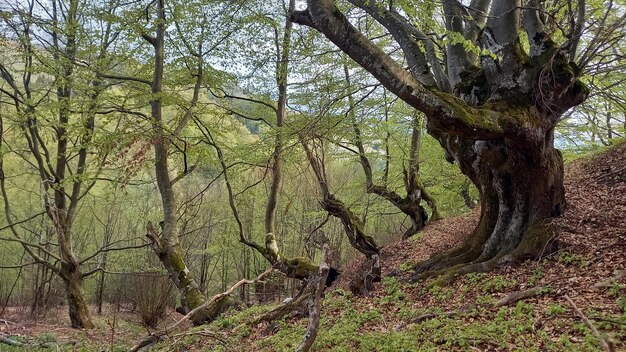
column 567, row 258
column 537, row 274
column 618, row 291
column 47, row 338
column 498, row 283
column 474, row 278
column 485, row 299
column 555, row 309
column 393, row 289
column 406, row 266
column 153, row 294
column 441, row 294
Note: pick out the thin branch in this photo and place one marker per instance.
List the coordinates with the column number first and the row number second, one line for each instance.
column 22, row 221
column 607, row 345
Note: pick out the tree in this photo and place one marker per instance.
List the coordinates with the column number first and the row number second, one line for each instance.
column 293, row 267
column 415, row 190
column 55, row 106
column 166, row 242
column 492, row 104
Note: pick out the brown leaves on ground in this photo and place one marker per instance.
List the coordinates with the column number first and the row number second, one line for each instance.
column 592, row 250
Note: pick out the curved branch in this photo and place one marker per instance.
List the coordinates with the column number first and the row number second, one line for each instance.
column 443, row 110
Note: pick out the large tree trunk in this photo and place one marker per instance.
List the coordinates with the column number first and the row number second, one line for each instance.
column 521, row 188
column 495, row 115
column 73, row 280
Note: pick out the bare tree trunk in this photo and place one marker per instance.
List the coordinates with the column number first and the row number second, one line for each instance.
column 78, row 310
column 167, row 244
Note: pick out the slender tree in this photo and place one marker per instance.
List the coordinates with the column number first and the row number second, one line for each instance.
column 59, row 138
column 415, row 190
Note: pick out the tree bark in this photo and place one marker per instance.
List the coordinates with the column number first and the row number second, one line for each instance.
column 315, row 300
column 521, row 188
column 78, row 310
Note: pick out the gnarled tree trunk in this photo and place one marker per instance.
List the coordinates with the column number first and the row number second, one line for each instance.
column 78, row 310
column 521, row 188
column 493, row 114
column 353, row 226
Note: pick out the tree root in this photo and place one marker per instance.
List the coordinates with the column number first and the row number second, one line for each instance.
column 469, row 257
column 444, row 276
column 512, row 298
column 520, row 295
column 10, row 342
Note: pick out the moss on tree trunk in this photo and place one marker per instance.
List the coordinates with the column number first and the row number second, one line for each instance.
column 78, row 310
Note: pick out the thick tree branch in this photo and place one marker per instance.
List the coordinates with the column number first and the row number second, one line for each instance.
column 405, row 35
column 314, row 302
column 443, row 110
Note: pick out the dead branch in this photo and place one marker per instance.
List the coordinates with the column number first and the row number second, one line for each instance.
column 607, row 345
column 617, row 275
column 6, row 322
column 520, row 295
column 315, row 301
column 10, row 342
column 157, row 336
column 294, row 305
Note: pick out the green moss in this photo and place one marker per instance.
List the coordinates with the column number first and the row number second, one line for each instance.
column 580, row 88
column 301, row 267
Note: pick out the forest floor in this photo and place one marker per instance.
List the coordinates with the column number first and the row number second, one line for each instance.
column 578, row 304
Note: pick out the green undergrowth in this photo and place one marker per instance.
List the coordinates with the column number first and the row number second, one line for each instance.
column 461, row 317
column 397, row 317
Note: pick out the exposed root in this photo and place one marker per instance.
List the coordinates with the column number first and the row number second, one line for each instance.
column 472, row 257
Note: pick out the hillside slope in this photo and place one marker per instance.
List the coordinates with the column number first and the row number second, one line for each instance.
column 463, row 316
column 578, row 296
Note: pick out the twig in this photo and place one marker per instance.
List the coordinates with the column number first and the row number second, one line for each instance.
column 607, row 346
column 315, row 302
column 614, row 322
column 157, row 336
column 519, row 295
column 6, row 322
column 617, row 275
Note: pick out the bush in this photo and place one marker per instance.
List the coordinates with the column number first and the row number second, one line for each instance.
column 153, row 293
